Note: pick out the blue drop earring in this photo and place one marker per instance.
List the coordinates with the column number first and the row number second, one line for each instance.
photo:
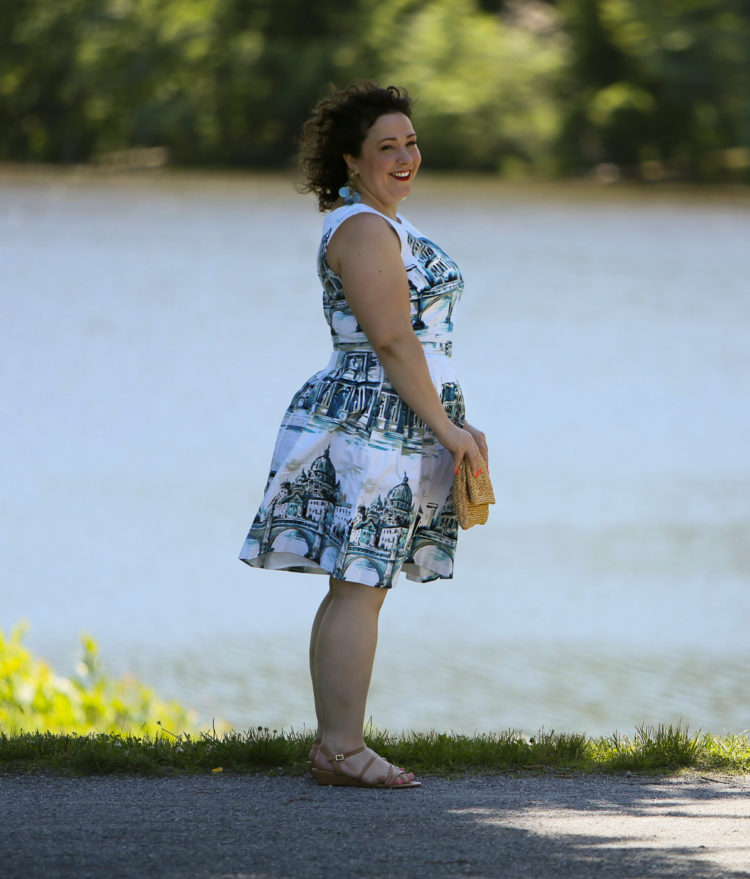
column 350, row 194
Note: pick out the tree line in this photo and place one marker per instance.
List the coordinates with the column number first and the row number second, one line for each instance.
column 644, row 88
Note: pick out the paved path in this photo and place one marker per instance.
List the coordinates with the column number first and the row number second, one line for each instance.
column 253, row 827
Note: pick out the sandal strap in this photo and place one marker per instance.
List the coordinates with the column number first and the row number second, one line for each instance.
column 369, row 763
column 338, row 758
column 393, row 774
column 393, row 771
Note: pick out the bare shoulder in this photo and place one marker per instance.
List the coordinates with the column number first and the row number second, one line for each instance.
column 362, row 233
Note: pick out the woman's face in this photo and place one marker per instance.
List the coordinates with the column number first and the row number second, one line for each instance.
column 388, row 162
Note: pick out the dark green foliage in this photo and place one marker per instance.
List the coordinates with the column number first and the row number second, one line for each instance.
column 661, row 84
column 659, row 89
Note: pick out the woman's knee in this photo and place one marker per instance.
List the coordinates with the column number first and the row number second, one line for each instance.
column 371, row 596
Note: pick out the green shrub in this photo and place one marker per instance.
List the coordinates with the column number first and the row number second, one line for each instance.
column 34, row 697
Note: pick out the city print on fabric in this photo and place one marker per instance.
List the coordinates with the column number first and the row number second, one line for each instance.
column 359, row 487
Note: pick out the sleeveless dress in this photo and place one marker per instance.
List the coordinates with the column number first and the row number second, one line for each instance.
column 359, row 487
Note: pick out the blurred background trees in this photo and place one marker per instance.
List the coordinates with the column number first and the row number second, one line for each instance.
column 641, row 88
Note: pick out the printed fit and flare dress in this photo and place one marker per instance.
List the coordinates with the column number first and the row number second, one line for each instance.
column 359, row 487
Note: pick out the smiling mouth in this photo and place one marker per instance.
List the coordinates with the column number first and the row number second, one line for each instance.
column 401, row 175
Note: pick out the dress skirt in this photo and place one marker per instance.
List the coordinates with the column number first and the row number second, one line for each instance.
column 359, row 487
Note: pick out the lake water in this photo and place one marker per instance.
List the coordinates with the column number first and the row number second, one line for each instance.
column 154, row 327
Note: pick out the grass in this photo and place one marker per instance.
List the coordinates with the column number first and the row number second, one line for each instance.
column 662, row 749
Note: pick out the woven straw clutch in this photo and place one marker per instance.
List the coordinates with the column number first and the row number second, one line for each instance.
column 472, row 496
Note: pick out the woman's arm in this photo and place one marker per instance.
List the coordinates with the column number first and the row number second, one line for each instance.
column 365, row 253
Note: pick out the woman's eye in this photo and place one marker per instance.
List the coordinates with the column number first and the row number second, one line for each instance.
column 389, row 146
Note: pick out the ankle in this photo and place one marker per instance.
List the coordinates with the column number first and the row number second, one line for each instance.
column 341, row 744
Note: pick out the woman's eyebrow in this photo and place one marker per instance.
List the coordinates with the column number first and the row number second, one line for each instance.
column 383, row 139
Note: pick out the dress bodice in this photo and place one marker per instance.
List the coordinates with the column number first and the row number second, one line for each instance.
column 435, row 285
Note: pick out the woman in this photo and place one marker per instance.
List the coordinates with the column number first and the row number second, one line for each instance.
column 360, row 479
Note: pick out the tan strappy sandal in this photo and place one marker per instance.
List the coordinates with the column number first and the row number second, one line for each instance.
column 337, row 777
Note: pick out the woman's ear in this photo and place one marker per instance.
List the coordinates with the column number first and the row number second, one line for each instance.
column 350, row 163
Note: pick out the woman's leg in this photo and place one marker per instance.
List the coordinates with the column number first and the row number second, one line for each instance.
column 313, row 642
column 342, row 656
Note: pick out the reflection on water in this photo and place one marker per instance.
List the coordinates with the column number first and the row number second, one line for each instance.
column 154, row 329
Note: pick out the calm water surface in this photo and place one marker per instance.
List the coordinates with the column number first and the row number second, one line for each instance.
column 154, row 328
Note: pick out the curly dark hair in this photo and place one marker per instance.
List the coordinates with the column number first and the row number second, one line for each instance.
column 338, row 125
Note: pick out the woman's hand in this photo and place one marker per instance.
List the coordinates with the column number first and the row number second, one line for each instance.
column 461, row 443
column 480, row 439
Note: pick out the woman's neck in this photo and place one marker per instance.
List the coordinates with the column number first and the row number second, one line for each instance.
column 389, row 210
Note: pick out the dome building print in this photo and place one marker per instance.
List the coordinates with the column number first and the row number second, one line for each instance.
column 362, row 406
column 310, row 517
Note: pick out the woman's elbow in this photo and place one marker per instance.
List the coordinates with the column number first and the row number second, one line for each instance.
column 391, row 343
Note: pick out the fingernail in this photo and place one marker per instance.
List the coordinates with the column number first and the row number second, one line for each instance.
column 477, row 474
column 455, row 472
